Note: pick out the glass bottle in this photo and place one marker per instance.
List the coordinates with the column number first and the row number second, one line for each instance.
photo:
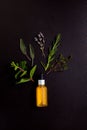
column 41, row 93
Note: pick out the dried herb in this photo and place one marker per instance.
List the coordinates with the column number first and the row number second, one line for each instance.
column 60, row 64
column 41, row 42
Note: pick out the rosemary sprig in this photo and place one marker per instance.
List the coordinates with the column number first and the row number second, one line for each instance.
column 52, row 53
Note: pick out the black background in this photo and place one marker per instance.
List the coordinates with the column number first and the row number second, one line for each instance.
column 67, row 91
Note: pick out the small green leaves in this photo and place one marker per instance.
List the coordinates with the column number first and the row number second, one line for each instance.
column 32, row 55
column 23, row 80
column 52, row 52
column 21, row 72
column 20, row 68
column 60, row 64
column 32, row 71
column 23, row 64
column 14, row 65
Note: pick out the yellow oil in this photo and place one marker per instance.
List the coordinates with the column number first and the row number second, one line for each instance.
column 41, row 96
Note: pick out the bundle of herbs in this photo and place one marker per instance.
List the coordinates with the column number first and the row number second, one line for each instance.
column 53, row 62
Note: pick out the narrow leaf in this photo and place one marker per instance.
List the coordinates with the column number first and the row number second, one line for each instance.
column 58, row 39
column 14, row 65
column 23, row 80
column 32, row 71
column 17, row 74
column 22, row 47
column 32, row 55
column 23, row 74
column 52, row 52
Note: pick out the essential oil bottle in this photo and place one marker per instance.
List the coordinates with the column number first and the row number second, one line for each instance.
column 41, row 93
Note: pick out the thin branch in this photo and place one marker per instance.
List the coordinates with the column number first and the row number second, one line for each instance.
column 28, row 57
column 22, row 70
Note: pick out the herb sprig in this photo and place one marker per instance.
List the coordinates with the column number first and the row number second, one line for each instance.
column 52, row 53
column 41, row 42
column 21, row 72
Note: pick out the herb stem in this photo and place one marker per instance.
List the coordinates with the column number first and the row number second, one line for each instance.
column 32, row 62
column 49, row 71
column 43, row 53
column 22, row 70
column 28, row 57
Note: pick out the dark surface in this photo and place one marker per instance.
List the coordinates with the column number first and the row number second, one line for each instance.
column 67, row 91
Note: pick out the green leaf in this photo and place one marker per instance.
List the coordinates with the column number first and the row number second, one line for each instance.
column 23, row 64
column 58, row 39
column 23, row 80
column 14, row 65
column 17, row 74
column 22, row 47
column 23, row 74
column 52, row 52
column 32, row 55
column 32, row 71
column 20, row 68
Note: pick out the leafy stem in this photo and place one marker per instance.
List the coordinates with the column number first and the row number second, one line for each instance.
column 21, row 72
column 27, row 57
column 52, row 53
column 60, row 64
column 41, row 42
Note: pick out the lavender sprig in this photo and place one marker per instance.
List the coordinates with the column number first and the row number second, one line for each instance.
column 41, row 42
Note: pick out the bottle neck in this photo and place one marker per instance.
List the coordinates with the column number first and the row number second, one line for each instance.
column 41, row 82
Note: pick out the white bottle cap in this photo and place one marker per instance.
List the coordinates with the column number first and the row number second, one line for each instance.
column 41, row 82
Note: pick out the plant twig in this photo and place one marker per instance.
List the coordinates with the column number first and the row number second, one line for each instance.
column 41, row 42
column 27, row 57
column 22, row 70
column 52, row 53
